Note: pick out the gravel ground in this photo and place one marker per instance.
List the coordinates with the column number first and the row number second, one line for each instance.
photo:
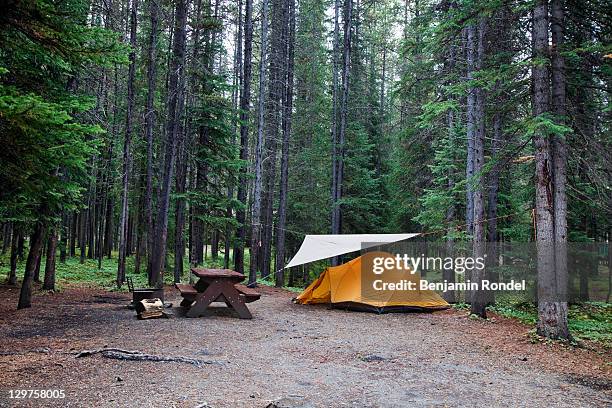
column 289, row 355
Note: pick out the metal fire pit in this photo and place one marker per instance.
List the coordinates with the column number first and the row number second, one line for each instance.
column 139, row 294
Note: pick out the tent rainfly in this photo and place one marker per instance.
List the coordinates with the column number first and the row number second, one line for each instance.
column 317, row 247
column 342, row 286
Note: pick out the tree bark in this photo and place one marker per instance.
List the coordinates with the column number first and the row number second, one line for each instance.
column 36, row 245
column 552, row 314
column 63, row 244
column 12, row 278
column 478, row 305
column 73, row 234
column 7, row 233
column 559, row 154
column 179, row 222
column 244, row 136
column 49, row 280
column 150, row 125
column 175, row 96
column 334, row 124
column 235, row 104
column 274, row 111
column 284, row 181
column 471, row 124
column 346, row 64
column 123, row 230
column 259, row 152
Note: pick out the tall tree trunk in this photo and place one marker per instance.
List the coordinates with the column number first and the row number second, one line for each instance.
column 83, row 235
column 175, row 96
column 245, row 98
column 91, row 212
column 478, row 304
column 49, row 280
column 259, row 152
column 502, row 43
column 12, row 278
column 179, row 222
column 284, row 181
column 7, row 234
column 472, row 126
column 559, row 156
column 552, row 314
column 21, row 246
column 334, row 121
column 346, row 63
column 276, row 85
column 235, row 104
column 73, row 234
column 36, row 245
column 448, row 274
column 123, row 230
column 150, row 125
column 63, row 244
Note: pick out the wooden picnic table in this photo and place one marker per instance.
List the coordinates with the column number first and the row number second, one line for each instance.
column 217, row 285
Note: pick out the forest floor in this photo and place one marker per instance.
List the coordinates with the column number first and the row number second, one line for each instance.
column 290, row 355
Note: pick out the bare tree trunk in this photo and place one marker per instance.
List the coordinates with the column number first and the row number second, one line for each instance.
column 36, row 244
column 334, row 121
column 559, row 157
column 83, row 235
column 472, row 126
column 284, row 181
column 346, row 64
column 235, row 103
column 7, row 234
column 478, row 304
column 179, row 224
column 552, row 314
column 448, row 274
column 12, row 278
column 609, row 266
column 273, row 109
column 244, row 136
column 73, row 234
column 150, row 125
column 63, row 243
column 49, row 280
column 259, row 151
column 175, row 96
column 123, row 230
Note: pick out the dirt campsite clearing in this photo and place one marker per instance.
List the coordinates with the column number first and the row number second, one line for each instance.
column 288, row 355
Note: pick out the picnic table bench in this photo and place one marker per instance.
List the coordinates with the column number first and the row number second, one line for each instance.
column 217, row 285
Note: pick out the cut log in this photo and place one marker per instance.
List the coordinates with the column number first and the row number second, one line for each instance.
column 150, row 308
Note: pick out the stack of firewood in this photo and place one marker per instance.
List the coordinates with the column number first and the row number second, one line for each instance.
column 150, row 309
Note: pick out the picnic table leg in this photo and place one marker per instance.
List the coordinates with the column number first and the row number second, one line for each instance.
column 204, row 299
column 234, row 301
column 214, row 291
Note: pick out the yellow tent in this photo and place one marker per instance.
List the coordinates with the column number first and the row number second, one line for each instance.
column 341, row 286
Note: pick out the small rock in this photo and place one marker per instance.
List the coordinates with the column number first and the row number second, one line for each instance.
column 523, row 358
column 373, row 357
column 119, row 379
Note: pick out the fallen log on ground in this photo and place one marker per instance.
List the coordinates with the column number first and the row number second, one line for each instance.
column 135, row 355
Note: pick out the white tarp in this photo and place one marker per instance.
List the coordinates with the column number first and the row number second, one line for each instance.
column 316, row 247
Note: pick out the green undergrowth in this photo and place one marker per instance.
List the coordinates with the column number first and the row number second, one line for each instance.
column 270, row 282
column 587, row 321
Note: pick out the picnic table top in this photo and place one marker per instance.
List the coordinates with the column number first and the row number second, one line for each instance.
column 217, row 273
